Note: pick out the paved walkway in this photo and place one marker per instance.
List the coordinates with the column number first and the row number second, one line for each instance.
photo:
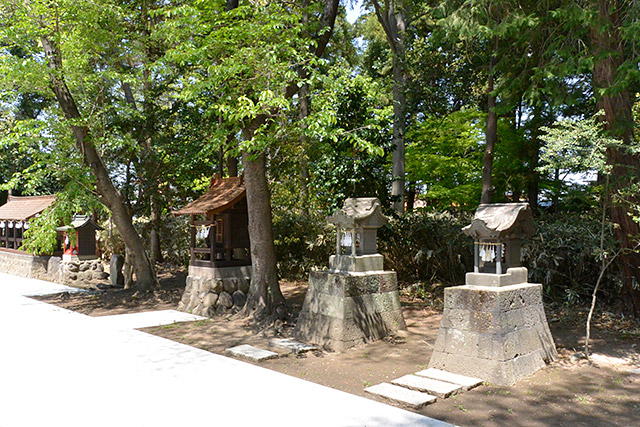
column 60, row 368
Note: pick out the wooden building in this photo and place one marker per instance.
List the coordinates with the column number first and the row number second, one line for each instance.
column 15, row 216
column 84, row 245
column 219, row 225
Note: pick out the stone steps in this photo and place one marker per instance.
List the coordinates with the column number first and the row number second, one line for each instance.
column 423, row 388
column 401, row 395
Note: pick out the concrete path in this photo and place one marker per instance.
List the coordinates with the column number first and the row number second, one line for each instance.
column 60, row 368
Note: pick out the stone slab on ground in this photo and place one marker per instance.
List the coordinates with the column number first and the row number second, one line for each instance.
column 252, row 353
column 467, row 383
column 635, row 371
column 293, row 346
column 429, row 385
column 404, row 396
column 147, row 319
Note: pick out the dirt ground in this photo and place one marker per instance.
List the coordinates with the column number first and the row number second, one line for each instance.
column 567, row 393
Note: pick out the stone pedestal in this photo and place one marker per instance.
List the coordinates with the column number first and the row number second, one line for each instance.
column 498, row 332
column 215, row 291
column 344, row 308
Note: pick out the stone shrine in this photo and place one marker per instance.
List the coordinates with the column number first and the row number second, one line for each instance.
column 494, row 327
column 355, row 300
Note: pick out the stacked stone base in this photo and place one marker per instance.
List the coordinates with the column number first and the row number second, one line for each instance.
column 499, row 334
column 215, row 291
column 77, row 273
column 343, row 309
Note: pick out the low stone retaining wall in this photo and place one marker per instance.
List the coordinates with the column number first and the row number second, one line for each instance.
column 215, row 291
column 80, row 274
column 24, row 265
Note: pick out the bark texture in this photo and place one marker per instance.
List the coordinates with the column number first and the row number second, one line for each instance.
column 618, row 120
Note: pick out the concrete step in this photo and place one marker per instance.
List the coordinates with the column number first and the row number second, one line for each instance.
column 467, row 383
column 400, row 395
column 429, row 385
column 251, row 353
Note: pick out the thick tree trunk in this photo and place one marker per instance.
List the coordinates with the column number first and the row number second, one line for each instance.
column 491, row 135
column 618, row 118
column 265, row 298
column 145, row 275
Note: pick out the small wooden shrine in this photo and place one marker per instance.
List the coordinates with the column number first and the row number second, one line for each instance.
column 82, row 244
column 498, row 230
column 219, row 225
column 15, row 216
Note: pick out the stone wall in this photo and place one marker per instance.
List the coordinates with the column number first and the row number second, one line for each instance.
column 215, row 291
column 80, row 274
column 24, row 265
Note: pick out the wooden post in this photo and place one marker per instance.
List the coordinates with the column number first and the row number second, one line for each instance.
column 476, row 257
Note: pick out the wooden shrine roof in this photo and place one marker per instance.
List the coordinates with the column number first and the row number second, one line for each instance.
column 223, row 194
column 23, row 208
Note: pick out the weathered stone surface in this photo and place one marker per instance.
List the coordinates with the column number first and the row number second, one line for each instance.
column 403, row 396
column 428, row 385
column 84, row 266
column 498, row 334
column 467, row 383
column 210, row 300
column 291, row 345
column 115, row 270
column 341, row 310
column 223, row 283
column 249, row 352
column 230, row 286
column 99, row 275
column 239, row 298
column 225, row 300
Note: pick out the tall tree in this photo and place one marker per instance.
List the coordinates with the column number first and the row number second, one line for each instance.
column 44, row 30
column 394, row 16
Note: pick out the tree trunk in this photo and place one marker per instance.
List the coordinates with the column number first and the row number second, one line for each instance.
column 491, row 135
column 146, row 278
column 303, row 98
column 398, row 155
column 393, row 23
column 618, row 118
column 265, row 298
column 156, row 249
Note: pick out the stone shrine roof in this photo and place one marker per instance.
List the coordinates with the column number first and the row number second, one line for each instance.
column 24, row 208
column 78, row 222
column 222, row 195
column 501, row 221
column 361, row 211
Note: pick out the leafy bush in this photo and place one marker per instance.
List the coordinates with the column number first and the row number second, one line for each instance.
column 564, row 255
